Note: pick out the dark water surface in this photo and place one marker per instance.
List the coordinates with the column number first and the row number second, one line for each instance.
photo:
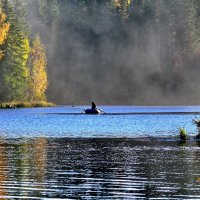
column 58, row 153
column 99, row 169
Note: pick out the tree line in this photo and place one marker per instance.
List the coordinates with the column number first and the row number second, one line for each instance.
column 147, row 49
column 23, row 61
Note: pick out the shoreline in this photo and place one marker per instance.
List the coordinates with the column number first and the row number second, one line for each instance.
column 25, row 104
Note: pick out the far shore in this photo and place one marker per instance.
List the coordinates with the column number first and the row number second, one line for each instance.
column 7, row 105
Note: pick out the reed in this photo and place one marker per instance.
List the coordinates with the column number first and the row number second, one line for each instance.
column 183, row 134
column 196, row 121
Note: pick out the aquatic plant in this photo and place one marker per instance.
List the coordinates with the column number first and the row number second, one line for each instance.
column 183, row 134
column 196, row 121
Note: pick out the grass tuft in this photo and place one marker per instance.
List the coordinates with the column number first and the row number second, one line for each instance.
column 183, row 134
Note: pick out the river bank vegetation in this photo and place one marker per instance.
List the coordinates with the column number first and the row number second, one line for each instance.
column 84, row 49
column 29, row 104
column 23, row 61
column 183, row 136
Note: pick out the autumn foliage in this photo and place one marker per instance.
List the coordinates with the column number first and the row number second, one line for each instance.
column 38, row 73
column 23, row 75
column 4, row 28
column 122, row 6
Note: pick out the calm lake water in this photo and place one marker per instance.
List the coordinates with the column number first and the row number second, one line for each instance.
column 126, row 153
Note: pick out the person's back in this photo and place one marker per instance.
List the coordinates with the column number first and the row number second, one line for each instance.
column 93, row 106
column 93, row 109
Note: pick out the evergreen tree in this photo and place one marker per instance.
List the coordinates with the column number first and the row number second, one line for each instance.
column 20, row 11
column 14, row 67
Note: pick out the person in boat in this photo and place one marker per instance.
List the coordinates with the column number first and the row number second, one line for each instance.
column 93, row 107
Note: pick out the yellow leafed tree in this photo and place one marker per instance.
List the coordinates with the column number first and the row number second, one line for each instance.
column 4, row 28
column 38, row 73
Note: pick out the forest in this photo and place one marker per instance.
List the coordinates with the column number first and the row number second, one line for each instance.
column 23, row 75
column 108, row 51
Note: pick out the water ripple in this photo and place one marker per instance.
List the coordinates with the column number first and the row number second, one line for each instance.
column 64, row 168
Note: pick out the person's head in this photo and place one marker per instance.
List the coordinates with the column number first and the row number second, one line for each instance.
column 93, row 104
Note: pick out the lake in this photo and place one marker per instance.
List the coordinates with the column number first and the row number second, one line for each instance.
column 129, row 152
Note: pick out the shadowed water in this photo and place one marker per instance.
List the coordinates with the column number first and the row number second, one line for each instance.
column 99, row 169
column 51, row 156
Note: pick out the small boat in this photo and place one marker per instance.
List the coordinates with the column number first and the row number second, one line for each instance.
column 93, row 111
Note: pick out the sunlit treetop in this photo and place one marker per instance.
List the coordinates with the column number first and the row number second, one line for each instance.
column 4, row 28
column 38, row 74
column 122, row 6
column 119, row 2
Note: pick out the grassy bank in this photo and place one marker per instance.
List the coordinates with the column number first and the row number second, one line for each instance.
column 4, row 105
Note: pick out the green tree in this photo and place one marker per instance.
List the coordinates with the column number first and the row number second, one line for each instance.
column 14, row 70
column 20, row 11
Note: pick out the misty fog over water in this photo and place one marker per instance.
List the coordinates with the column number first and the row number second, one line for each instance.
column 120, row 52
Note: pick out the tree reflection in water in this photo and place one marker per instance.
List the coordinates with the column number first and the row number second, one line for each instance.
column 99, row 168
column 3, row 168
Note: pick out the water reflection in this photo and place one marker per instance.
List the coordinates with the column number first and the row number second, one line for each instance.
column 99, row 169
column 22, row 167
column 3, row 170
